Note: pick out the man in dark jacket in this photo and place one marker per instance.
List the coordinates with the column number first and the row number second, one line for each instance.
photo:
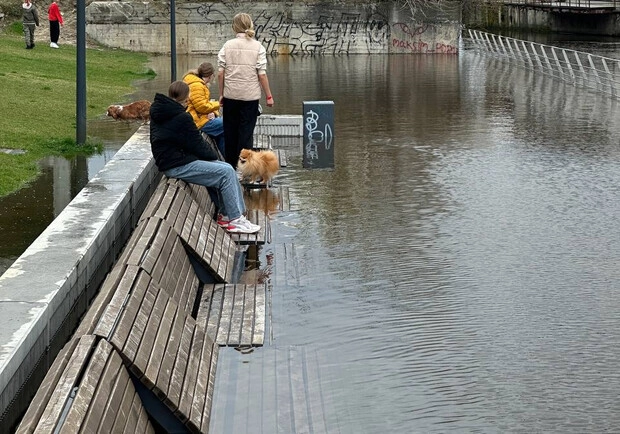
column 181, row 152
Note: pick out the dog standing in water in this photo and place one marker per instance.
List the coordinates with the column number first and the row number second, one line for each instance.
column 257, row 165
column 138, row 110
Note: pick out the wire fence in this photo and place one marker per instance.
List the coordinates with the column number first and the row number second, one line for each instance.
column 598, row 73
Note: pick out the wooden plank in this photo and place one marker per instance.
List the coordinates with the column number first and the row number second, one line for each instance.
column 172, row 344
column 297, row 387
column 104, row 405
column 128, row 422
column 141, row 361
column 150, row 256
column 226, row 314
column 90, row 379
column 215, row 313
column 212, row 358
column 202, row 383
column 164, row 206
column 48, row 388
column 258, row 336
column 192, row 229
column 155, row 200
column 151, row 227
column 216, row 257
column 110, row 316
column 160, row 254
column 247, row 328
column 282, row 157
column 189, row 285
column 179, row 370
column 77, row 355
column 237, row 294
column 159, row 346
column 175, row 266
column 228, row 254
column 316, row 393
column 126, row 411
column 180, row 212
column 127, row 316
column 138, row 328
column 190, row 382
column 144, row 426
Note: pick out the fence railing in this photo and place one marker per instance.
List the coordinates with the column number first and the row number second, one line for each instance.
column 598, row 73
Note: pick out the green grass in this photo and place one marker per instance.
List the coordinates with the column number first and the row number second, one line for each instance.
column 38, row 100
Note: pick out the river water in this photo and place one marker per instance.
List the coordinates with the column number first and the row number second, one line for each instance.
column 457, row 271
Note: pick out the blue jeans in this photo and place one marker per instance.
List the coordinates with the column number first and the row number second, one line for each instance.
column 216, row 174
column 215, row 129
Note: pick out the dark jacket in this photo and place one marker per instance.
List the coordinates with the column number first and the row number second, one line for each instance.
column 30, row 15
column 175, row 140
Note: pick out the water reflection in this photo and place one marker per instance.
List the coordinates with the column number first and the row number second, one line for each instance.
column 456, row 271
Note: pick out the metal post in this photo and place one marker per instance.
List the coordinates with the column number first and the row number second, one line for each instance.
column 80, row 94
column 173, row 42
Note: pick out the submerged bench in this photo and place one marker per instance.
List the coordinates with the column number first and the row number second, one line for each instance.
column 88, row 389
column 163, row 347
column 234, row 314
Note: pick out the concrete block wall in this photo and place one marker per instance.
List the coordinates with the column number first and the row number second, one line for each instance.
column 47, row 290
column 283, row 27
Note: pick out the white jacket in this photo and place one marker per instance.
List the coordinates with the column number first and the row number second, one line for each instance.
column 242, row 59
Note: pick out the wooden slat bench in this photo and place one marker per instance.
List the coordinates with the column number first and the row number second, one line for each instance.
column 162, row 346
column 155, row 247
column 183, row 207
column 234, row 314
column 264, row 142
column 86, row 390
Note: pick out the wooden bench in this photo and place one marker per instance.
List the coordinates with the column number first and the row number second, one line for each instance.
column 189, row 210
column 87, row 389
column 157, row 248
column 234, row 315
column 264, row 142
column 162, row 346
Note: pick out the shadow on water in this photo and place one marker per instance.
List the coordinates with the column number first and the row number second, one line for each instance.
column 457, row 270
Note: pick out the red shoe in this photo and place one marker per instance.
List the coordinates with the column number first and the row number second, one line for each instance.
column 223, row 221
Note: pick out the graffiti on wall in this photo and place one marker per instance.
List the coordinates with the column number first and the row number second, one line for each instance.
column 419, row 39
column 357, row 30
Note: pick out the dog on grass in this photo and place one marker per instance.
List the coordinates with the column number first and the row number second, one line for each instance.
column 138, row 110
column 257, row 166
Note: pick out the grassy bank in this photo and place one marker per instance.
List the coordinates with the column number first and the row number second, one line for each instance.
column 37, row 99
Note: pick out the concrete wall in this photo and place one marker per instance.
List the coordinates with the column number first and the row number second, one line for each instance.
column 47, row 290
column 519, row 17
column 301, row 27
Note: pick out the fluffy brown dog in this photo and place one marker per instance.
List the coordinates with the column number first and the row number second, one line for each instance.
column 258, row 165
column 138, row 110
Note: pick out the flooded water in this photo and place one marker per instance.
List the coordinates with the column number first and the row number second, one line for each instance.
column 457, row 271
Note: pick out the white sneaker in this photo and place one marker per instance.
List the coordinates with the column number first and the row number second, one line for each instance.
column 53, row 45
column 242, row 225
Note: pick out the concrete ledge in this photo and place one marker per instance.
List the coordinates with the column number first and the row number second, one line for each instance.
column 45, row 292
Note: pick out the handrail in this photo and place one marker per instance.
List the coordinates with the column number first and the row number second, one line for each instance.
column 578, row 68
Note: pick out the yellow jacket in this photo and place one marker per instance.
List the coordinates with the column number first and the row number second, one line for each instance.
column 200, row 104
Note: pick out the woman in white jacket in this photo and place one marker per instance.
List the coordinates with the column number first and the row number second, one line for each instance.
column 242, row 73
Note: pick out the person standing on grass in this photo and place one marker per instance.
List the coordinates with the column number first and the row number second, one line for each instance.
column 30, row 20
column 55, row 18
column 242, row 64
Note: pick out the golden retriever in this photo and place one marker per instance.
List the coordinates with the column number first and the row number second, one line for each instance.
column 138, row 110
column 257, row 165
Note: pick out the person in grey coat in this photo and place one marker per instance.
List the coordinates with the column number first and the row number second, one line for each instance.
column 30, row 22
